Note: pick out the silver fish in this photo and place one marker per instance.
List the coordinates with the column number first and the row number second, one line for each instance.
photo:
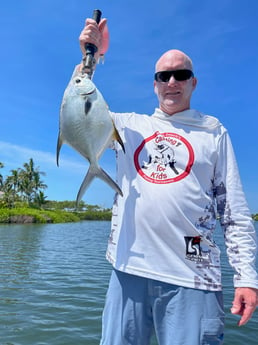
column 86, row 125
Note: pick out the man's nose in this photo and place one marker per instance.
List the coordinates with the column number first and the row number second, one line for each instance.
column 172, row 80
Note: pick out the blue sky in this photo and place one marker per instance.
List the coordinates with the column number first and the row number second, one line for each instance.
column 39, row 48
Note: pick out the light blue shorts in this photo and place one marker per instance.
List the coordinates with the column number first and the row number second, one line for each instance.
column 137, row 307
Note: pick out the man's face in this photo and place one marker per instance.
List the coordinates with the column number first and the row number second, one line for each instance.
column 174, row 96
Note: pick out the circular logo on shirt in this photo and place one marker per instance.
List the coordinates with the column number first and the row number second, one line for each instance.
column 164, row 158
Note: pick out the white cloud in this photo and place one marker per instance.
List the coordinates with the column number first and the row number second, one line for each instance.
column 13, row 156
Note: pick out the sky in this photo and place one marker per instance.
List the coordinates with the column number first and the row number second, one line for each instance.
column 39, row 49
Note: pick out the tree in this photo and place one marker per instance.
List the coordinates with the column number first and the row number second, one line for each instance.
column 24, row 184
column 1, row 176
column 30, row 183
column 14, row 180
column 40, row 199
column 9, row 194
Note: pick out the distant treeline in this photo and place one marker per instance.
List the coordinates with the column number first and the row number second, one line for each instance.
column 22, row 200
column 24, row 187
column 26, row 214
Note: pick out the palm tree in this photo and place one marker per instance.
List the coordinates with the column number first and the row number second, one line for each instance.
column 40, row 198
column 9, row 196
column 14, row 180
column 30, row 182
column 1, row 176
column 24, row 184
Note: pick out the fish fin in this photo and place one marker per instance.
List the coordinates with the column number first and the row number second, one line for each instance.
column 85, row 183
column 106, row 178
column 96, row 171
column 87, row 105
column 58, row 148
column 117, row 137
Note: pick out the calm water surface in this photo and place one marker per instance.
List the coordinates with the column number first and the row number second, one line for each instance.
column 53, row 280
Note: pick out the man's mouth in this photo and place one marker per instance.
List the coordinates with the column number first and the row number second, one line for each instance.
column 174, row 93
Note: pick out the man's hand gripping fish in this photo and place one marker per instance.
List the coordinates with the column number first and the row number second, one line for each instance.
column 86, row 125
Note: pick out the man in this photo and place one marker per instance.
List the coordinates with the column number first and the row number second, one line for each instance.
column 177, row 173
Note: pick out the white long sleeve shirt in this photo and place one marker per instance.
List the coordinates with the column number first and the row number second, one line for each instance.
column 177, row 173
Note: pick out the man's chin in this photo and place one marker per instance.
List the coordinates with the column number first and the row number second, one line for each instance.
column 172, row 107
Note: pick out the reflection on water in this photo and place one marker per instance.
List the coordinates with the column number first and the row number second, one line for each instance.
column 53, row 280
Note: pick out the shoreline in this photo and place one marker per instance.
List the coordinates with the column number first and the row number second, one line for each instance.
column 36, row 216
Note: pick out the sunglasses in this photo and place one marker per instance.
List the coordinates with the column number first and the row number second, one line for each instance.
column 179, row 75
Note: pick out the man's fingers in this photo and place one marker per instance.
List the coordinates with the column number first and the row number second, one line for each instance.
column 237, row 309
column 245, row 311
column 105, row 36
column 102, row 24
column 92, row 33
column 244, row 303
column 247, row 314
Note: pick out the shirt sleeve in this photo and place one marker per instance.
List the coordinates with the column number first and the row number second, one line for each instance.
column 235, row 217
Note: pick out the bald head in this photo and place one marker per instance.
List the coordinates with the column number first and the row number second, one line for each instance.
column 174, row 95
column 175, row 58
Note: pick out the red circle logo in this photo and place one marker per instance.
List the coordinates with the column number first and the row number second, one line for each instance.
column 164, row 158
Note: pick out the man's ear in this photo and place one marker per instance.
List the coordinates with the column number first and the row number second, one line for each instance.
column 194, row 82
column 155, row 87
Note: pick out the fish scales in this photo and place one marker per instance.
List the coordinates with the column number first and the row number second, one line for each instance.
column 86, row 125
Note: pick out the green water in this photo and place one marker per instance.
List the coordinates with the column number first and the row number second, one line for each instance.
column 53, row 280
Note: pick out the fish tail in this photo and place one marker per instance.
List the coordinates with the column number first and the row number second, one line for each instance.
column 58, row 147
column 106, row 178
column 96, row 171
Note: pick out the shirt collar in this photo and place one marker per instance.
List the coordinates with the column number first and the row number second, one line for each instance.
column 190, row 117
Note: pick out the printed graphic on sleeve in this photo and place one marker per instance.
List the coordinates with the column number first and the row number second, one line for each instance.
column 164, row 158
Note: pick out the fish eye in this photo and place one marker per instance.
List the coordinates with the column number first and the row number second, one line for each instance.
column 78, row 80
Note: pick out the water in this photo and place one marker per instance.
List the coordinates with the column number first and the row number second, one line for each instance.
column 53, row 280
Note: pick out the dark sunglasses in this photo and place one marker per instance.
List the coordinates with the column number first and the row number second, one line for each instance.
column 179, row 75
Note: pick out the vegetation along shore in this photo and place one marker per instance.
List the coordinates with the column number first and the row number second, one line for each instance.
column 22, row 200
